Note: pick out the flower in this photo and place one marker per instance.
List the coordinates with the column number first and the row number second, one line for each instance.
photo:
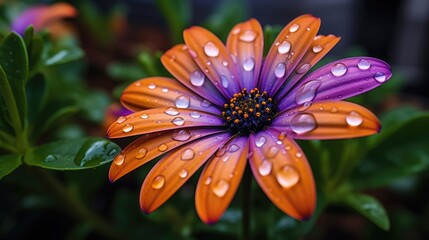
column 41, row 16
column 229, row 106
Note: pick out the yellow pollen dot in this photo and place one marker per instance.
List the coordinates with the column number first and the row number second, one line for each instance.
column 223, row 113
column 246, row 115
column 267, row 109
column 257, row 105
column 257, row 95
column 237, row 108
column 240, row 112
column 258, row 114
column 236, row 121
column 234, row 113
column 251, row 110
column 232, row 105
column 228, row 119
column 225, row 105
column 264, row 103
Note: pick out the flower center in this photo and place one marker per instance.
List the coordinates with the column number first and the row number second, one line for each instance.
column 249, row 112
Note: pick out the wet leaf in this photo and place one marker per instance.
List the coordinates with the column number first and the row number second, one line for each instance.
column 8, row 163
column 73, row 154
column 36, row 90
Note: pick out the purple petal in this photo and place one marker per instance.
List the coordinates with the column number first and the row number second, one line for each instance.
column 338, row 80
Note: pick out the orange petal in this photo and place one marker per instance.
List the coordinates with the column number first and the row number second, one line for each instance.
column 282, row 171
column 54, row 13
column 182, row 66
column 161, row 119
column 220, row 179
column 319, row 48
column 171, row 172
column 213, row 57
column 328, row 120
column 288, row 49
column 155, row 92
column 148, row 147
column 246, row 43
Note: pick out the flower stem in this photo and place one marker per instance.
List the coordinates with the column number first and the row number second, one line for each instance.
column 75, row 207
column 246, row 204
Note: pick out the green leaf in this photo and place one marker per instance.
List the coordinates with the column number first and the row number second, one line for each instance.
column 8, row 163
column 64, row 56
column 14, row 61
column 177, row 15
column 36, row 90
column 270, row 34
column 73, row 154
column 368, row 206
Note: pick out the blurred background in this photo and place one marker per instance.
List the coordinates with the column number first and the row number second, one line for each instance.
column 114, row 43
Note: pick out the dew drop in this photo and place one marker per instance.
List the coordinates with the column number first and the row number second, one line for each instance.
column 221, row 151
column 195, row 115
column 233, row 148
column 224, row 63
column 119, row 160
column 193, row 53
column 284, row 47
column 354, row 119
column 127, row 128
column 298, row 155
column 280, row 70
column 138, row 84
column 303, row 69
column 288, row 176
column 165, row 90
column 163, row 147
column 260, row 141
column 183, row 173
column 265, row 168
column 249, row 64
column 338, row 69
column 178, row 121
column 211, row 50
column 364, row 64
column 208, row 180
column 197, row 78
column 205, row 104
column 272, row 152
column 151, row 86
column 144, row 116
column 333, row 110
column 248, row 36
column 141, row 153
column 158, row 182
column 182, row 101
column 380, row 77
column 171, row 111
column 294, row 28
column 188, row 154
column 51, row 158
column 307, row 92
column 224, row 81
column 220, row 188
column 121, row 119
column 317, row 48
column 303, row 123
column 182, row 135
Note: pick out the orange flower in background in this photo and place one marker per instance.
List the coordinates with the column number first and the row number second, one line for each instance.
column 41, row 16
column 229, row 107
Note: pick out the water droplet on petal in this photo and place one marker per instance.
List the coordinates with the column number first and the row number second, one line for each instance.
column 182, row 135
column 158, row 182
column 205, row 104
column 224, row 63
column 141, row 153
column 280, row 70
column 272, row 152
column 165, row 90
column 208, row 180
column 220, row 188
column 211, row 50
column 333, row 110
column 119, row 160
column 284, row 47
column 171, row 111
column 188, row 154
column 151, row 86
column 221, row 151
column 260, row 141
column 197, row 78
column 380, row 77
column 195, row 115
column 163, row 147
column 354, row 119
column 303, row 69
column 144, row 116
column 121, row 119
column 233, row 148
column 178, row 121
column 288, row 176
column 265, row 168
column 224, row 81
column 193, row 53
column 294, row 28
column 298, row 155
column 127, row 128
column 182, row 101
column 338, row 69
column 183, row 173
column 248, row 36
column 303, row 123
column 364, row 64
column 249, row 64
column 317, row 48
column 307, row 92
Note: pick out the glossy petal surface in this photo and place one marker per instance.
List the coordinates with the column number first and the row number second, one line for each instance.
column 246, row 44
column 180, row 63
column 282, row 171
column 339, row 80
column 327, row 120
column 158, row 92
column 220, row 179
column 171, row 172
